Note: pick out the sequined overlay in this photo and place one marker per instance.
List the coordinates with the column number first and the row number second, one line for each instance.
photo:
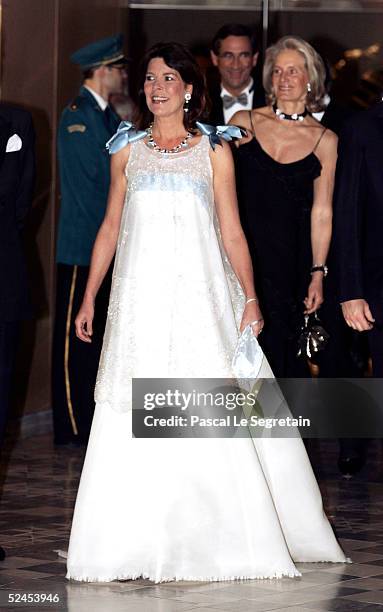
column 175, row 303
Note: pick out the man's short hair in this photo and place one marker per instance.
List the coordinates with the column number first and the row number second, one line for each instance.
column 233, row 29
column 89, row 73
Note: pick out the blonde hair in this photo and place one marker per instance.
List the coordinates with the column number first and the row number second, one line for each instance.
column 313, row 64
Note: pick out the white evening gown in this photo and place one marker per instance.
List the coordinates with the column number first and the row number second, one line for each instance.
column 183, row 509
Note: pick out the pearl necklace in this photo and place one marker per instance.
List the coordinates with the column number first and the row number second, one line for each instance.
column 294, row 117
column 152, row 143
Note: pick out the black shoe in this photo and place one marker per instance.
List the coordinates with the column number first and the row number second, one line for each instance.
column 2, row 553
column 348, row 466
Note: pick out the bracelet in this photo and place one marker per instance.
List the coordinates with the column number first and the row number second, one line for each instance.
column 256, row 322
column 319, row 268
column 251, row 300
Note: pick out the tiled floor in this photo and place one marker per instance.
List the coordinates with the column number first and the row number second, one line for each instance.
column 39, row 489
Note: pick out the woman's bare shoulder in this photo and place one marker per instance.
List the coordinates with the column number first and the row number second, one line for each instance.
column 330, row 137
column 326, row 147
column 327, row 134
column 241, row 119
column 262, row 112
column 327, row 142
column 120, row 159
column 221, row 158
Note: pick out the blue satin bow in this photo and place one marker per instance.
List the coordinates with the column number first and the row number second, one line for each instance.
column 126, row 133
column 215, row 133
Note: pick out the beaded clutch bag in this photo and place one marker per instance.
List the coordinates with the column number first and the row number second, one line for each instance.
column 312, row 338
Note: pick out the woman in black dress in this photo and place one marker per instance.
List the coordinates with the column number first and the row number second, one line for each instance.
column 285, row 171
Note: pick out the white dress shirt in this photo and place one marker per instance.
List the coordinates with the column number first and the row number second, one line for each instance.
column 229, row 112
column 319, row 115
column 99, row 99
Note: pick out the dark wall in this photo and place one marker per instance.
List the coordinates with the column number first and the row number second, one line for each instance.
column 37, row 38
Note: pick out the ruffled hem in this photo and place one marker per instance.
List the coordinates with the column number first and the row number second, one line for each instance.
column 143, row 575
column 136, row 576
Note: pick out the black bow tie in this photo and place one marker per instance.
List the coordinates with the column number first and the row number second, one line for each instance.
column 229, row 101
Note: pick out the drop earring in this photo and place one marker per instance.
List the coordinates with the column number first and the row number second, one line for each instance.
column 187, row 100
column 308, row 88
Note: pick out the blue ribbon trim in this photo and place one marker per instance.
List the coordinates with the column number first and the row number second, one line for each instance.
column 126, row 133
column 215, row 133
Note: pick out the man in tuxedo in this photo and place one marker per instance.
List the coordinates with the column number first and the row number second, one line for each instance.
column 358, row 245
column 333, row 115
column 17, row 171
column 359, row 228
column 87, row 123
column 234, row 53
column 343, row 355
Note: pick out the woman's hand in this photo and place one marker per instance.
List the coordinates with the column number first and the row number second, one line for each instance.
column 314, row 294
column 252, row 313
column 84, row 321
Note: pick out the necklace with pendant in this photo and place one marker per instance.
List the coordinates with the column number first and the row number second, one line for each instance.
column 294, row 117
column 181, row 145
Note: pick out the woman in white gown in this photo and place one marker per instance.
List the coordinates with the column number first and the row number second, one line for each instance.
column 181, row 509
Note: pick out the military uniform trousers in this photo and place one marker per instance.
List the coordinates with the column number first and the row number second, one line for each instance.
column 75, row 363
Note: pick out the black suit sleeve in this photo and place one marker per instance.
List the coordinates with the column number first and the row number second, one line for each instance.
column 27, row 172
column 348, row 213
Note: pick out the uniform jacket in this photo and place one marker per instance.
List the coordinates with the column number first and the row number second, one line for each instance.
column 17, row 171
column 84, row 175
column 358, row 227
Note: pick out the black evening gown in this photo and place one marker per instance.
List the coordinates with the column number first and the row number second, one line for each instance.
column 275, row 201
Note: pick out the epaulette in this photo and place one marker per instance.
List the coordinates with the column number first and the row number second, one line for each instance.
column 75, row 104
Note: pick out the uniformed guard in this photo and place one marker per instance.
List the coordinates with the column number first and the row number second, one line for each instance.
column 86, row 125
